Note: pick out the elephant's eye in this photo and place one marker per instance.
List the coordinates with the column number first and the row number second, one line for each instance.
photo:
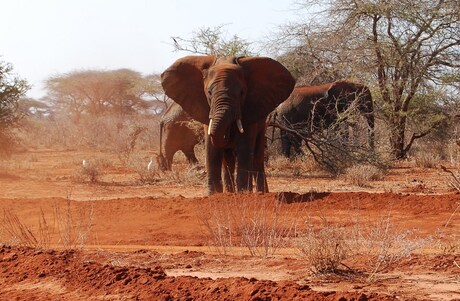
column 210, row 92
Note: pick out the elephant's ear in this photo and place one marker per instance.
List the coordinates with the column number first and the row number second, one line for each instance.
column 269, row 84
column 183, row 82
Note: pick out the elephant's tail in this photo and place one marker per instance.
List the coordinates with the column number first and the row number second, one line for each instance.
column 161, row 138
column 272, row 118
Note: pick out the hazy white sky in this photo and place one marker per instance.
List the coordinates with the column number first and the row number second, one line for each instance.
column 42, row 38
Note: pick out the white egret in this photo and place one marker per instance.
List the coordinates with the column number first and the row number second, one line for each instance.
column 150, row 165
column 85, row 163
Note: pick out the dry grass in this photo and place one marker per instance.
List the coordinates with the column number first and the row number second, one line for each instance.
column 379, row 242
column 427, row 159
column 103, row 133
column 280, row 166
column 69, row 226
column 185, row 175
column 18, row 233
column 360, row 175
column 258, row 226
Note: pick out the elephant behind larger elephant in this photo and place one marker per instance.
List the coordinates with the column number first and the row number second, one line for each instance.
column 311, row 109
column 178, row 132
column 232, row 96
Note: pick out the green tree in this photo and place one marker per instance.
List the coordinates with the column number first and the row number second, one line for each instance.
column 403, row 47
column 12, row 88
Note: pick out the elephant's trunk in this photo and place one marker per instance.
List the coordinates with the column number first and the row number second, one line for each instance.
column 221, row 125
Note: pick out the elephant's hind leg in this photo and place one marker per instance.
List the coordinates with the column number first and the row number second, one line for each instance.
column 190, row 155
column 260, row 178
column 228, row 164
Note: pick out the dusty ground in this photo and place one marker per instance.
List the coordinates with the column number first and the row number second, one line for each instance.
column 121, row 239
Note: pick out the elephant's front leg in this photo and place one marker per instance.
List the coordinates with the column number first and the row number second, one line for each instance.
column 245, row 160
column 285, row 144
column 213, row 167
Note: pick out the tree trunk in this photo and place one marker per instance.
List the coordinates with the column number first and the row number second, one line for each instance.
column 397, row 137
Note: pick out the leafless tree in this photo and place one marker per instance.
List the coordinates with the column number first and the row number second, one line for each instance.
column 154, row 92
column 212, row 41
column 404, row 49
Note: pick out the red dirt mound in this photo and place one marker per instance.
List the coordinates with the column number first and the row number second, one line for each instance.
column 70, row 275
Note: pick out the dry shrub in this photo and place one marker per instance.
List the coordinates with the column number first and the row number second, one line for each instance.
column 89, row 170
column 74, row 224
column 360, row 175
column 324, row 249
column 140, row 165
column 259, row 226
column 188, row 175
column 379, row 242
column 382, row 242
column 8, row 143
column 125, row 145
column 104, row 133
column 426, row 159
column 300, row 166
column 56, row 133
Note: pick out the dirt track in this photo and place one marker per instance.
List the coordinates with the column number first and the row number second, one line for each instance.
column 151, row 241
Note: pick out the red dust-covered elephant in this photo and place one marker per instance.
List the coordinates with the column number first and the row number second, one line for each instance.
column 178, row 132
column 313, row 108
column 232, row 96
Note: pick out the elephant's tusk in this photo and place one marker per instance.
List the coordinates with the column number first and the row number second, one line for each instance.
column 240, row 126
column 209, row 126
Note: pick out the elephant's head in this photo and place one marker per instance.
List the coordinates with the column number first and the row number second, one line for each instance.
column 346, row 92
column 227, row 93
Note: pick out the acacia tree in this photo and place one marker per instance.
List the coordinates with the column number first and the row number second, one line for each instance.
column 212, row 41
column 12, row 88
column 206, row 41
column 154, row 91
column 94, row 92
column 405, row 48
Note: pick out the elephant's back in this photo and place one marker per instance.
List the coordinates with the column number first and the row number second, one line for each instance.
column 310, row 92
column 175, row 113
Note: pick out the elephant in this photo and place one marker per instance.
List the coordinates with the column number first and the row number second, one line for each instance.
column 231, row 96
column 319, row 107
column 180, row 132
